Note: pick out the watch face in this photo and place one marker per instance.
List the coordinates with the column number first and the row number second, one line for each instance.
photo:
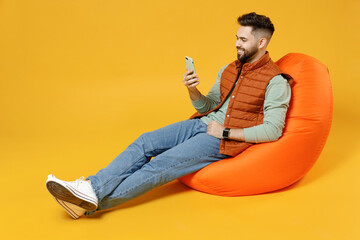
column 226, row 133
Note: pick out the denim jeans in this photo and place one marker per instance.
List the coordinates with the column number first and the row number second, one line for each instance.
column 177, row 150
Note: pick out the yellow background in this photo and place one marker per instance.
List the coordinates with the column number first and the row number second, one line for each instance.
column 81, row 79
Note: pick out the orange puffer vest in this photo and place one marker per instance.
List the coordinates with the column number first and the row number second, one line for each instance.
column 247, row 101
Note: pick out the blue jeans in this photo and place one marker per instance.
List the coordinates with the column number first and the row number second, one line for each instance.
column 178, row 149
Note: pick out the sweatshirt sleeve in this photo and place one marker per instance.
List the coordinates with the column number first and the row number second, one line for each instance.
column 277, row 98
column 212, row 99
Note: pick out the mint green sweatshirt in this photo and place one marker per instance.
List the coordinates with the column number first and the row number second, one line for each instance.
column 277, row 98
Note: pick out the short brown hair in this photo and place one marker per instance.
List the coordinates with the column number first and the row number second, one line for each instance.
column 257, row 21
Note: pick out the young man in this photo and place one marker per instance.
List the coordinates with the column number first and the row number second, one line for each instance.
column 246, row 105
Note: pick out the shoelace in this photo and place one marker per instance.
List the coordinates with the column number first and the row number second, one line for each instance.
column 78, row 181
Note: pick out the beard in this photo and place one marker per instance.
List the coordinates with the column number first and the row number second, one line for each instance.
column 247, row 54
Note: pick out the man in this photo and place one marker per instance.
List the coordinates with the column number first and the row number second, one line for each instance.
column 246, row 105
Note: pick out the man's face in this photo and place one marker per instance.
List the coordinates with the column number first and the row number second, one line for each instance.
column 246, row 44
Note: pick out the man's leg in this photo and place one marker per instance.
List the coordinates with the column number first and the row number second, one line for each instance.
column 187, row 157
column 104, row 183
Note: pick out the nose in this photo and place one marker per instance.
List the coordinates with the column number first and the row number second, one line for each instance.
column 238, row 43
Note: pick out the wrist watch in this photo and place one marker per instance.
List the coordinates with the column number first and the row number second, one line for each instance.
column 226, row 133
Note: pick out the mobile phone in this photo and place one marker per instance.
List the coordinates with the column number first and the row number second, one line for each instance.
column 189, row 64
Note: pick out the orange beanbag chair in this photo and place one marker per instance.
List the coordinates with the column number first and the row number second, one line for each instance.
column 271, row 166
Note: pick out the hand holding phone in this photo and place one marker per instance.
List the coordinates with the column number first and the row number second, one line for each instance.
column 190, row 77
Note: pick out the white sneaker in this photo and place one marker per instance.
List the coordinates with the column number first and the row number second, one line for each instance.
column 74, row 210
column 78, row 192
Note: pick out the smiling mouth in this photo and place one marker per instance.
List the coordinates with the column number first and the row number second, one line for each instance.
column 240, row 51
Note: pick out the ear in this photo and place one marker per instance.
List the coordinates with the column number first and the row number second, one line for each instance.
column 262, row 42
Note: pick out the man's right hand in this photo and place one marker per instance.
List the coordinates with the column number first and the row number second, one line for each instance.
column 190, row 80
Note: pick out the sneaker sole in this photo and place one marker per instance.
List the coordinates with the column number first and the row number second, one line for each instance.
column 69, row 195
column 71, row 212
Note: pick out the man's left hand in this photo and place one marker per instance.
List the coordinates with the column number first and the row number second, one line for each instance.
column 215, row 129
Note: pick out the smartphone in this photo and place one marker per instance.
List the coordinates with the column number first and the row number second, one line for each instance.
column 189, row 64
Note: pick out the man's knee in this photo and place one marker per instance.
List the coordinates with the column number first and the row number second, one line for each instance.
column 144, row 138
